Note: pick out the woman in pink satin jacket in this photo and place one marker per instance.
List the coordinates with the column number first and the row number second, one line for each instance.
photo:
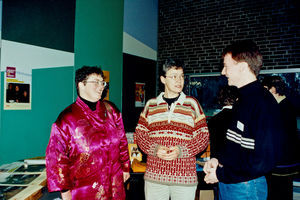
column 87, row 155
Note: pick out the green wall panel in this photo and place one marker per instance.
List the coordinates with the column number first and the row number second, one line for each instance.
column 98, row 41
column 45, row 23
column 25, row 133
column 99, row 38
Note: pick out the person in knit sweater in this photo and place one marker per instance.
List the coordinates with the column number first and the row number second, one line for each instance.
column 255, row 135
column 171, row 130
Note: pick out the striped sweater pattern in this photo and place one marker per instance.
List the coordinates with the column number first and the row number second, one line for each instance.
column 183, row 125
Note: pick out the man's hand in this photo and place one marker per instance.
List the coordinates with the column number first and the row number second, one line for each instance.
column 66, row 195
column 126, row 176
column 209, row 165
column 211, row 177
column 210, row 168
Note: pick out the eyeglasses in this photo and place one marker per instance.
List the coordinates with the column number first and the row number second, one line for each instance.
column 175, row 77
column 101, row 83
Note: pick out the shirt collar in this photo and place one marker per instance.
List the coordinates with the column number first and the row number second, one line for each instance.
column 180, row 100
column 250, row 88
column 227, row 107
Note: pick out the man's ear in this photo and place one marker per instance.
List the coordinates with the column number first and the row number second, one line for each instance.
column 244, row 67
column 163, row 79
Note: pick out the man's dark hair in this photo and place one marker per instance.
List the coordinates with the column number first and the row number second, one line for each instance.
column 83, row 73
column 228, row 95
column 171, row 63
column 277, row 82
column 245, row 51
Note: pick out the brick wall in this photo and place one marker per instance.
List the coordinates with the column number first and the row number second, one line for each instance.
column 198, row 30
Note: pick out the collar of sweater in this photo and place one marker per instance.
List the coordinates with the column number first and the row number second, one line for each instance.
column 91, row 105
column 227, row 107
column 250, row 88
column 180, row 100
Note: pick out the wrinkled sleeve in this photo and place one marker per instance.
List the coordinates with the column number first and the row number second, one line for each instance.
column 57, row 161
column 124, row 155
column 200, row 134
column 141, row 136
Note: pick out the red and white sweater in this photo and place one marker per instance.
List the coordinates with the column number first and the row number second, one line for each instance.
column 184, row 125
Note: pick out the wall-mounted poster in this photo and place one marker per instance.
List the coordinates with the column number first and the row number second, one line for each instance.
column 17, row 93
column 205, row 87
column 134, row 152
column 106, row 78
column 139, row 94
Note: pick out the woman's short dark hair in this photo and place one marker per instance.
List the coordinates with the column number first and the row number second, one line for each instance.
column 169, row 64
column 83, row 73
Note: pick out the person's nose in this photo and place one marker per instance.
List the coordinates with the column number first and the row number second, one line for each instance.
column 223, row 71
column 178, row 79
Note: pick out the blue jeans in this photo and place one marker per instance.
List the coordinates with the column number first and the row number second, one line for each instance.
column 255, row 189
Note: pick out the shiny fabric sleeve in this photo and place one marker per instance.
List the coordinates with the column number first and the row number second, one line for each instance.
column 57, row 161
column 124, row 155
column 200, row 134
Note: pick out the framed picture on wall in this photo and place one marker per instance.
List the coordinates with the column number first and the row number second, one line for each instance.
column 139, row 94
column 204, row 87
column 106, row 78
column 17, row 92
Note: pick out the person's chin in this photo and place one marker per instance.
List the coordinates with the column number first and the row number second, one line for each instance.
column 97, row 98
column 229, row 82
column 178, row 89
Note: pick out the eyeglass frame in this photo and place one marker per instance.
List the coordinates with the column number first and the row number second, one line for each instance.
column 99, row 83
column 175, row 77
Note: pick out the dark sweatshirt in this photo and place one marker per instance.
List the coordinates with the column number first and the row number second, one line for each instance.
column 254, row 139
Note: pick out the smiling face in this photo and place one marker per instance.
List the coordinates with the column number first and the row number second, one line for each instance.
column 90, row 89
column 232, row 70
column 173, row 81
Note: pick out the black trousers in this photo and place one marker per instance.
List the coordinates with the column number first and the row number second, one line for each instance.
column 280, row 187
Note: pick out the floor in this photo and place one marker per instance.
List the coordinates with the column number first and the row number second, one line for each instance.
column 56, row 195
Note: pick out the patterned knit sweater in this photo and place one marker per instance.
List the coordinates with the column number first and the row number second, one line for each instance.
column 184, row 125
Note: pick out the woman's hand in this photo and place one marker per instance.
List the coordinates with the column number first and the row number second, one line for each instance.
column 66, row 195
column 173, row 153
column 162, row 151
column 166, row 153
column 126, row 176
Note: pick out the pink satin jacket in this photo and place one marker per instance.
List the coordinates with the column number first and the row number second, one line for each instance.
column 88, row 153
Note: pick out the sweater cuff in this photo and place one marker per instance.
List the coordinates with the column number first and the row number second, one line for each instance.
column 156, row 149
